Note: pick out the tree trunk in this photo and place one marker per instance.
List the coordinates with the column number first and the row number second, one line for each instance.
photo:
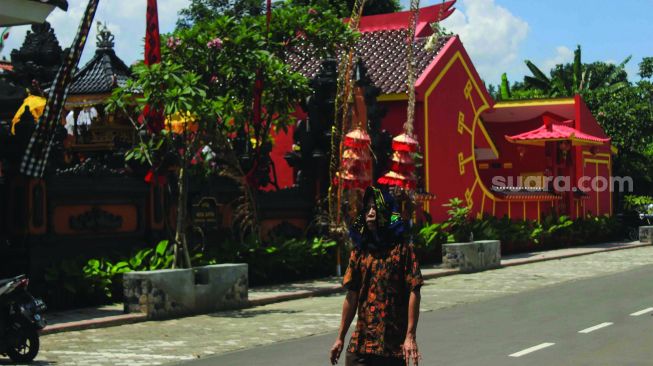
column 182, row 257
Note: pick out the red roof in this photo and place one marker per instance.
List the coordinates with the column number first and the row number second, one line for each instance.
column 400, row 20
column 553, row 130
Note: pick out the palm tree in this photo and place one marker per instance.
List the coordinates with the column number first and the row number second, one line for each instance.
column 569, row 79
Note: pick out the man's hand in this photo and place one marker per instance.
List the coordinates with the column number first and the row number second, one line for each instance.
column 411, row 353
column 336, row 350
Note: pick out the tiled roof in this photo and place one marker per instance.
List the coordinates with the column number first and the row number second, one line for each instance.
column 384, row 55
column 555, row 132
column 104, row 72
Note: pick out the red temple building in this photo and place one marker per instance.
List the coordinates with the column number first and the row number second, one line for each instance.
column 501, row 158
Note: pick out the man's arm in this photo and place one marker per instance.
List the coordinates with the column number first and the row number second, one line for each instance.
column 410, row 344
column 348, row 311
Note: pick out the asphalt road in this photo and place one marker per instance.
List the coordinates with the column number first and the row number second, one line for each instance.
column 599, row 321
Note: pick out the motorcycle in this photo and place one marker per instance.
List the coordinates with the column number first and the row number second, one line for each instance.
column 20, row 320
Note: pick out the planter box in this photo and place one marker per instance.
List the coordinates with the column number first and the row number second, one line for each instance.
column 472, row 257
column 177, row 292
column 646, row 234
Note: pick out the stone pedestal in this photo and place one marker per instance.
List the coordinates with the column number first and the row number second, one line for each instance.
column 472, row 257
column 646, row 234
column 176, row 292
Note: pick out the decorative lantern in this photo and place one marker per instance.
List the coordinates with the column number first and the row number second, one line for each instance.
column 356, row 162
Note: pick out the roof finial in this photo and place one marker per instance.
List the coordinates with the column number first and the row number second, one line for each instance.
column 104, row 37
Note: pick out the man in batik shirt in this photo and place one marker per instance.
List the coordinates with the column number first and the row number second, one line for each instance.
column 383, row 282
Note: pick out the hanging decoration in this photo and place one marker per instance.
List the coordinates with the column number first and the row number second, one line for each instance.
column 338, row 165
column 402, row 166
column 356, row 163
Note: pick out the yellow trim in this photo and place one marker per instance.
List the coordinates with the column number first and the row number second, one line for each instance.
column 597, row 191
column 461, row 124
column 597, row 161
column 509, row 212
column 392, row 97
column 605, row 155
column 489, row 140
column 538, row 212
column 507, row 165
column 484, row 166
column 471, row 83
column 540, row 142
column 494, row 208
column 577, row 208
column 535, row 103
column 462, row 160
column 482, row 205
column 524, row 217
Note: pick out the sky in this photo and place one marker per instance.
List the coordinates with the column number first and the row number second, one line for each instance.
column 498, row 34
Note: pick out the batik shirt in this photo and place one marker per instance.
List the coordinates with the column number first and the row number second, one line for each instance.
column 383, row 280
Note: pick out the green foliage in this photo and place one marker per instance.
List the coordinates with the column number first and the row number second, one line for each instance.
column 505, row 87
column 280, row 260
column 646, row 68
column 343, row 9
column 458, row 221
column 640, row 204
column 205, row 10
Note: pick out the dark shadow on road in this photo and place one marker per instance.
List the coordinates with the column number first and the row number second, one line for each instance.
column 250, row 313
column 33, row 363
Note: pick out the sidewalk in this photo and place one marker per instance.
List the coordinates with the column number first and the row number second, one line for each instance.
column 112, row 315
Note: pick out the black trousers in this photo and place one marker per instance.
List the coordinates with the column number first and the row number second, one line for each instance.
column 354, row 359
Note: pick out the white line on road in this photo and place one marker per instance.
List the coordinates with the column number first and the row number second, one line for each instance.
column 642, row 312
column 532, row 349
column 596, row 327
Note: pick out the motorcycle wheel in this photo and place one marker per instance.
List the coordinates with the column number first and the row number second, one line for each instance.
column 23, row 345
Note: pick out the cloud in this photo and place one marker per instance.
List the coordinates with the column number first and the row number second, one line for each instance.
column 563, row 55
column 124, row 18
column 491, row 34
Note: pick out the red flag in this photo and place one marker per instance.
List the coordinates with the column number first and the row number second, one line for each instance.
column 153, row 115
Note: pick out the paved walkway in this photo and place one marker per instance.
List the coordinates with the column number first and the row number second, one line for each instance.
column 112, row 315
column 173, row 341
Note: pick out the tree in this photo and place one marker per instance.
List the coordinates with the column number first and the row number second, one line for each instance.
column 207, row 80
column 343, row 8
column 569, row 79
column 626, row 115
column 206, row 10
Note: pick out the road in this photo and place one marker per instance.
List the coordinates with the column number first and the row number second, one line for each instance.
column 313, row 321
column 604, row 320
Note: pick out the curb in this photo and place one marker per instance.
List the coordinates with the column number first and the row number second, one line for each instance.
column 571, row 255
column 117, row 320
column 109, row 321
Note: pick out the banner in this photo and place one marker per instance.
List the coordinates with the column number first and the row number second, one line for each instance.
column 38, row 149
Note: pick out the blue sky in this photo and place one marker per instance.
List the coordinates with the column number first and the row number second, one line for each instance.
column 498, row 34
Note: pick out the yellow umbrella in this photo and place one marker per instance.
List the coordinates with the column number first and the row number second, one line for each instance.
column 36, row 106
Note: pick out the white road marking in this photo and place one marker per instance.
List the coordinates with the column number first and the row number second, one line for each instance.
column 531, row 350
column 642, row 312
column 596, row 327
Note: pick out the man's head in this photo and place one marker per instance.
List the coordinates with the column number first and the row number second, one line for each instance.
column 370, row 214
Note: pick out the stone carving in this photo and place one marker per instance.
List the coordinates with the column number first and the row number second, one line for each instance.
column 104, row 39
column 96, row 220
column 38, row 58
